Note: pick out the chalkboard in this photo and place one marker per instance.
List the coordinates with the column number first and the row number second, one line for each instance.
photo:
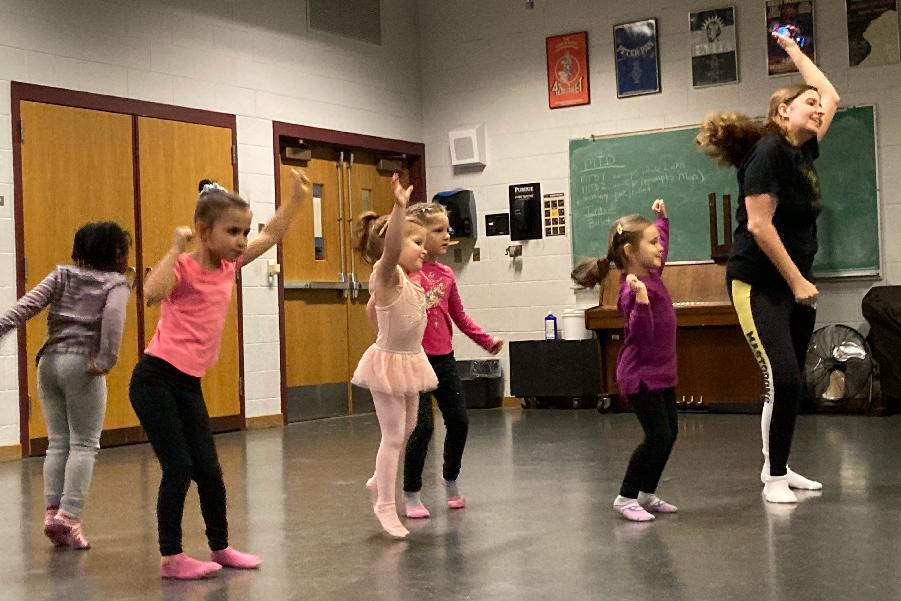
column 618, row 175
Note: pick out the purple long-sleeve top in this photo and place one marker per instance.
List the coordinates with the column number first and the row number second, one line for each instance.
column 648, row 354
column 87, row 313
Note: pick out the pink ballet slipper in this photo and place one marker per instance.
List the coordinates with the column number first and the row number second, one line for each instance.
column 183, row 567
column 230, row 557
column 418, row 512
column 634, row 512
column 660, row 506
column 386, row 513
column 456, row 502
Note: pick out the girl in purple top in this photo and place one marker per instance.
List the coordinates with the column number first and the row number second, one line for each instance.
column 84, row 330
column 646, row 366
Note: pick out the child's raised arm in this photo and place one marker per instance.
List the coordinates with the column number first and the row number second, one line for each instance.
column 161, row 279
column 659, row 208
column 386, row 273
column 276, row 227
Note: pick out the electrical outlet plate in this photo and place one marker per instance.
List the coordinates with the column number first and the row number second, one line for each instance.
column 477, row 254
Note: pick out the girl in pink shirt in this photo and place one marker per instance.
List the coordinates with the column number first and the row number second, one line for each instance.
column 194, row 289
column 395, row 368
column 444, row 309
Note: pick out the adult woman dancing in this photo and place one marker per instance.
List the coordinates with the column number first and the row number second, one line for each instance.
column 769, row 272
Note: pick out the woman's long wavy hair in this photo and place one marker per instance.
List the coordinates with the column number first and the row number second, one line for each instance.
column 728, row 137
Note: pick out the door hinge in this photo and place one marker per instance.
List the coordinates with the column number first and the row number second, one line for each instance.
column 234, row 155
column 21, row 132
column 25, row 269
column 241, row 386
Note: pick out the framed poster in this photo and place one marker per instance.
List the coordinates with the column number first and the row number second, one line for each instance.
column 714, row 59
column 872, row 33
column 796, row 18
column 637, row 58
column 567, row 70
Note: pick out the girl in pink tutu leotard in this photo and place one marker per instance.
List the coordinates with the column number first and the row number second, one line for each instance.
column 395, row 369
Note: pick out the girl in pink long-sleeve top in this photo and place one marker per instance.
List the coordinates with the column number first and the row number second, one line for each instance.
column 445, row 308
column 646, row 366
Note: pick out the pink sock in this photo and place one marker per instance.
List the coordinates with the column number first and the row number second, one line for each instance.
column 230, row 557
column 183, row 567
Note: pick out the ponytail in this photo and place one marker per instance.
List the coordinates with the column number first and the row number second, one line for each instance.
column 591, row 272
column 366, row 235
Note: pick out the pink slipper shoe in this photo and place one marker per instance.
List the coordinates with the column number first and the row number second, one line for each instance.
column 456, row 502
column 418, row 512
column 634, row 512
column 661, row 506
column 184, row 567
column 230, row 557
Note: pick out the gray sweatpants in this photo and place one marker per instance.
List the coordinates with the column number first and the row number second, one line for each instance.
column 74, row 404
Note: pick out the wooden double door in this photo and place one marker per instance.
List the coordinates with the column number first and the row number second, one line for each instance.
column 326, row 328
column 80, row 165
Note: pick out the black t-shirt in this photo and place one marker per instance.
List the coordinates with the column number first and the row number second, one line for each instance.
column 774, row 166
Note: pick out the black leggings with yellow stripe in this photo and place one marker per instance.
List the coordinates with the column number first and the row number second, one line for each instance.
column 778, row 331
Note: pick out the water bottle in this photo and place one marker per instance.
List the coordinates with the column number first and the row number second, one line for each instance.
column 550, row 327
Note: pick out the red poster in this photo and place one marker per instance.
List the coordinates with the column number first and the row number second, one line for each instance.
column 567, row 70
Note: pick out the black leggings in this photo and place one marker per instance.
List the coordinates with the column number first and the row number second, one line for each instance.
column 656, row 410
column 452, row 404
column 778, row 331
column 170, row 406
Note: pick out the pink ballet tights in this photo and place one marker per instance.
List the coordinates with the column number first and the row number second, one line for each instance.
column 397, row 418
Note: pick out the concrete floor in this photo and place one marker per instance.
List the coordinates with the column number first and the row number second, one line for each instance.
column 538, row 526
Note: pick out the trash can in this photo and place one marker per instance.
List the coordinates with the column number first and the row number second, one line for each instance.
column 483, row 382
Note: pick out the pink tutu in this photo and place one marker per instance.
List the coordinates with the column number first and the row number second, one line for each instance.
column 395, row 372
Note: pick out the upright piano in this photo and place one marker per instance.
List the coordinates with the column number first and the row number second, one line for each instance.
column 717, row 371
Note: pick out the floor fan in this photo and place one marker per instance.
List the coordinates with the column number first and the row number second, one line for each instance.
column 838, row 366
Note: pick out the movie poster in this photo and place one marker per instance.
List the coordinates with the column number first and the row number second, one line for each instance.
column 637, row 59
column 714, row 57
column 567, row 70
column 796, row 17
column 872, row 33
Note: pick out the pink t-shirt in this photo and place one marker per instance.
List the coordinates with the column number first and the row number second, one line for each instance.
column 189, row 332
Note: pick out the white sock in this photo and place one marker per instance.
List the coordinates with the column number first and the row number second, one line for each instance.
column 412, row 499
column 621, row 501
column 776, row 490
column 452, row 490
column 796, row 480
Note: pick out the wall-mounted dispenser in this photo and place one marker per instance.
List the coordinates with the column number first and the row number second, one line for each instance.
column 461, row 211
